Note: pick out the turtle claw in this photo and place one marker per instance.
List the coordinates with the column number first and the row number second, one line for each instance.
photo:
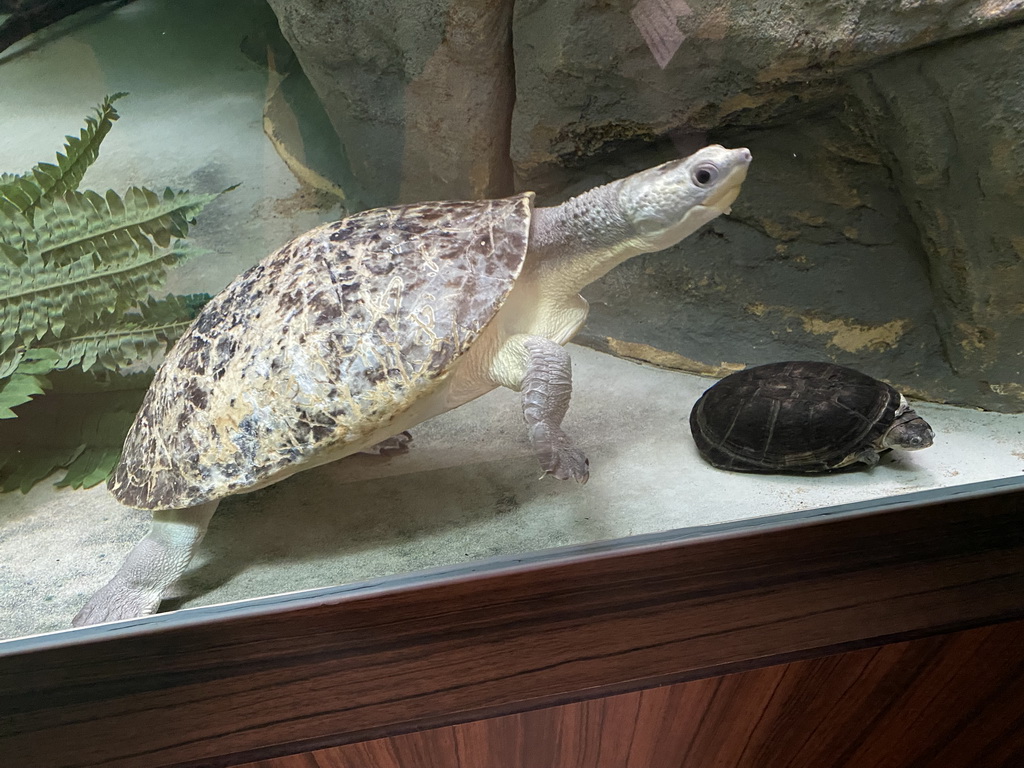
column 558, row 456
column 569, row 463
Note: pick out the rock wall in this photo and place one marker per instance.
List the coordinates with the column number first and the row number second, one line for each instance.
column 878, row 226
column 591, row 72
column 420, row 94
column 950, row 120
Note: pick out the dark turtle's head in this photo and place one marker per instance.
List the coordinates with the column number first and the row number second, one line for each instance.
column 909, row 431
column 666, row 203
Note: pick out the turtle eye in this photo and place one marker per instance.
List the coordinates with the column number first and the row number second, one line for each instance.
column 704, row 174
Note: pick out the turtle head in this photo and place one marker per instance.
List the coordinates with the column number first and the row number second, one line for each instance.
column 908, row 431
column 666, row 203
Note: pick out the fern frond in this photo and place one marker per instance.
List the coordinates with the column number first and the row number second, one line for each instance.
column 17, row 389
column 91, row 467
column 110, row 228
column 21, row 470
column 10, row 360
column 79, row 152
column 18, row 196
column 39, row 299
column 26, row 380
column 46, row 180
column 103, row 433
column 113, row 344
column 21, row 194
column 81, row 432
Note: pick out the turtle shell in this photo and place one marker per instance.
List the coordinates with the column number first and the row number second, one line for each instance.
column 792, row 417
column 319, row 346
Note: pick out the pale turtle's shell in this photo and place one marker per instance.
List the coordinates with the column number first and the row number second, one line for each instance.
column 319, row 346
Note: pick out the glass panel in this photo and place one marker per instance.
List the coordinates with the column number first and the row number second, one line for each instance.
column 877, row 228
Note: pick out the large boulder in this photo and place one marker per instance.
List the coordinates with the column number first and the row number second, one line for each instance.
column 884, row 234
column 592, row 72
column 950, row 120
column 420, row 94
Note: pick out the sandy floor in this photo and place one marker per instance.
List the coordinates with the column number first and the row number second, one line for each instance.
column 468, row 489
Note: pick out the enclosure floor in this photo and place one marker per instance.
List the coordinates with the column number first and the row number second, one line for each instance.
column 468, row 489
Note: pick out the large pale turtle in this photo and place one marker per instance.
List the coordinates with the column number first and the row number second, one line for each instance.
column 358, row 330
column 803, row 417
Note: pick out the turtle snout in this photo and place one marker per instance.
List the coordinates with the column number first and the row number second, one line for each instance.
column 920, row 438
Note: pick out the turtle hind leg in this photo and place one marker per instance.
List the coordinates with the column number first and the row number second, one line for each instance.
column 391, row 446
column 546, row 388
column 151, row 568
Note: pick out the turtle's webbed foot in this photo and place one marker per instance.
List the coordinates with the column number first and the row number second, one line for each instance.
column 558, row 456
column 153, row 565
column 116, row 601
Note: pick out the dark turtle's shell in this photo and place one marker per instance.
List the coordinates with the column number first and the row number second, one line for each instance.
column 319, row 346
column 791, row 417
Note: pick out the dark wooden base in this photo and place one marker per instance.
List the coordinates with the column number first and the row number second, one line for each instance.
column 285, row 675
column 953, row 701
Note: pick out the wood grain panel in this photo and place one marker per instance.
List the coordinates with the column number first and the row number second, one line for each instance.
column 954, row 701
column 220, row 685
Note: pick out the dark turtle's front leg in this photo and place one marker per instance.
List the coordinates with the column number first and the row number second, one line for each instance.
column 546, row 388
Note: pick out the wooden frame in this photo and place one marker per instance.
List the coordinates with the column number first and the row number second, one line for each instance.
column 227, row 684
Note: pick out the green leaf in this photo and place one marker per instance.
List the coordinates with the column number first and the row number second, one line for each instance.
column 138, row 336
column 18, row 196
column 10, row 360
column 25, row 379
column 77, row 225
column 104, row 434
column 91, row 467
column 81, row 432
column 17, row 257
column 22, row 470
column 47, row 180
column 17, row 389
column 38, row 361
column 79, row 153
column 39, row 300
column 77, row 273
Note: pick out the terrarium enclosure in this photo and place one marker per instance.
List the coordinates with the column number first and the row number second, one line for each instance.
column 879, row 227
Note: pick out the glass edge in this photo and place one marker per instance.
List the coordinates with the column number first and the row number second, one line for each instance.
column 492, row 566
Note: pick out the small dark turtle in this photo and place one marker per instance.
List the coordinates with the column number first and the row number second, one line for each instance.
column 803, row 417
column 360, row 329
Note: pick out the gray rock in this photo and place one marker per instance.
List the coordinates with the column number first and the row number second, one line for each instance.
column 586, row 73
column 951, row 120
column 420, row 94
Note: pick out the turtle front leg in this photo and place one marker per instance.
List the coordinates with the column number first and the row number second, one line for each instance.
column 542, row 371
column 151, row 567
